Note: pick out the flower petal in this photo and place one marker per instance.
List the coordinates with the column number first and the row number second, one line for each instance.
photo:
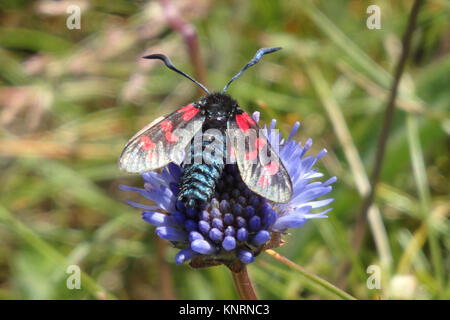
column 158, row 219
column 195, row 235
column 242, row 234
column 293, row 131
column 141, row 206
column 229, row 243
column 289, row 221
column 171, row 234
column 184, row 255
column 319, row 203
column 246, row 256
column 255, row 116
column 261, row 237
column 292, row 219
column 175, row 170
column 203, row 247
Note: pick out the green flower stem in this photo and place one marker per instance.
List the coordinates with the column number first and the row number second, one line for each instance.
column 243, row 285
column 323, row 283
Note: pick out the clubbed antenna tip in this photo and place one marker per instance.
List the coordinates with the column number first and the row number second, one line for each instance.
column 252, row 62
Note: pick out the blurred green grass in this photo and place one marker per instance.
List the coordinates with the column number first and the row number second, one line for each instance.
column 69, row 100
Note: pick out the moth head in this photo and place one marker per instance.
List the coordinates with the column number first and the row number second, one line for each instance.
column 219, row 106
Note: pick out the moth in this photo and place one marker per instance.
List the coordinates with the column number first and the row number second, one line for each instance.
column 239, row 139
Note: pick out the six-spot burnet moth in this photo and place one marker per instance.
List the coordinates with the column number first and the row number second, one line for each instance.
column 204, row 136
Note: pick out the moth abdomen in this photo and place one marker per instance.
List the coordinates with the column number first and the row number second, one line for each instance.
column 199, row 184
column 198, row 181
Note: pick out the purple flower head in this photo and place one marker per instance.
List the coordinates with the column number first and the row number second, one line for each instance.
column 237, row 224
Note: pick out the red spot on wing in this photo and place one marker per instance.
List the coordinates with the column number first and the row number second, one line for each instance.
column 248, row 119
column 188, row 111
column 251, row 155
column 147, row 144
column 171, row 137
column 268, row 170
column 263, row 181
column 271, row 168
column 260, row 143
column 166, row 125
column 244, row 121
column 186, row 108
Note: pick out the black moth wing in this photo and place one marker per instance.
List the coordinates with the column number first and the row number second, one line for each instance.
column 161, row 141
column 259, row 165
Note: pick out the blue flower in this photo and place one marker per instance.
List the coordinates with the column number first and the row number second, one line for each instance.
column 237, row 224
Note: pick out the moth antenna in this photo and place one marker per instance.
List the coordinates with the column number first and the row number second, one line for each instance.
column 252, row 62
column 172, row 67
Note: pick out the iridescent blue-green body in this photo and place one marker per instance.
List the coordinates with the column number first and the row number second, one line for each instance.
column 201, row 173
